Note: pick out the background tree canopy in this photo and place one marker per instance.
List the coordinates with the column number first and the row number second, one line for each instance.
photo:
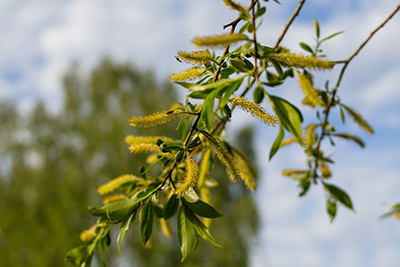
column 51, row 163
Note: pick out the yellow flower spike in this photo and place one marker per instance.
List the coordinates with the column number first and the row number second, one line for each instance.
column 113, row 198
column 235, row 6
column 90, row 233
column 309, row 138
column 134, row 139
column 224, row 157
column 255, row 110
column 199, row 57
column 397, row 215
column 357, row 118
column 325, row 171
column 288, row 59
column 188, row 74
column 218, row 41
column 294, row 173
column 191, row 176
column 155, row 119
column 116, row 183
column 311, row 94
column 165, row 228
column 248, row 173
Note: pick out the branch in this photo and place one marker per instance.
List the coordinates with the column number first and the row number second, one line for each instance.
column 291, row 19
column 346, row 63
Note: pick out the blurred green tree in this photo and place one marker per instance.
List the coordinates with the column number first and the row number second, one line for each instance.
column 50, row 164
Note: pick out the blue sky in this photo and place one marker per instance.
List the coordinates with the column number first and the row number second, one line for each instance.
column 40, row 38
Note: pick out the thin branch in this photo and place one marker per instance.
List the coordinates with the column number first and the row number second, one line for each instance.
column 346, row 63
column 236, row 21
column 291, row 19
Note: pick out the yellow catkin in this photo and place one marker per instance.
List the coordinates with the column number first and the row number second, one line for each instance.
column 113, row 198
column 235, row 6
column 88, row 234
column 191, row 176
column 224, row 157
column 325, row 171
column 288, row 59
column 357, row 118
column 255, row 110
column 218, row 41
column 116, row 183
column 248, row 173
column 293, row 172
column 397, row 215
column 311, row 94
column 155, row 119
column 144, row 148
column 188, row 74
column 165, row 228
column 204, row 168
column 309, row 138
column 205, row 195
column 134, row 139
column 199, row 57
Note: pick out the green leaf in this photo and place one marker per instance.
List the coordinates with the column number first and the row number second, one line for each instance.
column 307, row 48
column 331, row 208
column 82, row 255
column 316, row 28
column 331, row 36
column 258, row 95
column 102, row 247
column 260, row 12
column 226, row 72
column 206, row 88
column 229, row 91
column 125, row 225
column 201, row 229
column 208, row 107
column 182, row 128
column 277, row 143
column 195, row 142
column 342, row 116
column 305, row 185
column 289, row 116
column 121, row 210
column 351, row 137
column 187, row 235
column 203, row 209
column 339, row 194
column 387, row 215
column 171, row 207
column 146, row 221
column 239, row 65
column 358, row 119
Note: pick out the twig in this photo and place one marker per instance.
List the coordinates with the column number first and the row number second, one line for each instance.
column 346, row 63
column 294, row 15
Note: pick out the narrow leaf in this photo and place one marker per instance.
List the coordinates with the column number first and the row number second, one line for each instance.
column 187, row 235
column 306, row 47
column 339, row 194
column 201, row 229
column 171, row 207
column 203, row 209
column 277, row 143
column 146, row 221
column 125, row 225
column 289, row 116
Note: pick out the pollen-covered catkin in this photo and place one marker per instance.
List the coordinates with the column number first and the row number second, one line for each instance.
column 116, row 183
column 188, row 74
column 288, row 59
column 199, row 57
column 218, row 41
column 155, row 119
column 191, row 176
column 255, row 110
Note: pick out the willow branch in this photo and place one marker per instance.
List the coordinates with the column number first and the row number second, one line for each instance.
column 291, row 19
column 346, row 63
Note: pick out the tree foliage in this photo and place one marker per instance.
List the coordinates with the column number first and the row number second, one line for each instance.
column 181, row 187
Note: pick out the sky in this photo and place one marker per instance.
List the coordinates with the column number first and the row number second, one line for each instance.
column 40, row 39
